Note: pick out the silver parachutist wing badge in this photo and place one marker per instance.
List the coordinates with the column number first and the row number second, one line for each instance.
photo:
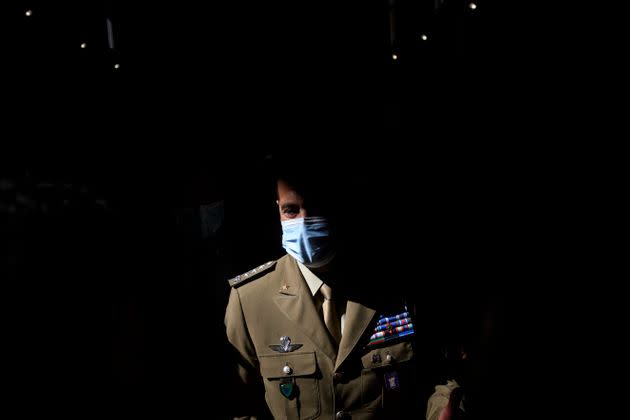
column 285, row 345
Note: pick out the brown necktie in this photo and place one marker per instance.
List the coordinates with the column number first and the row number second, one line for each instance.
column 331, row 319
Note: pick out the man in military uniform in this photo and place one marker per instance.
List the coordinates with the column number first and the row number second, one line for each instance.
column 305, row 345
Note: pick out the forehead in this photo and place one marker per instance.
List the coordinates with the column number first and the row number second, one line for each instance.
column 306, row 187
column 316, row 199
column 287, row 192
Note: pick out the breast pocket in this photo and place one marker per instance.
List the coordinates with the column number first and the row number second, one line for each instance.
column 386, row 375
column 291, row 385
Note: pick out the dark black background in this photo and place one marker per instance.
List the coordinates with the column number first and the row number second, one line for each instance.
column 113, row 299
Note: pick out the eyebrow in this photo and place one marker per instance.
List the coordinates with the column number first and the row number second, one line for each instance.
column 289, row 205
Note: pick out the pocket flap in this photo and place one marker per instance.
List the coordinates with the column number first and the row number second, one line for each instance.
column 398, row 353
column 300, row 364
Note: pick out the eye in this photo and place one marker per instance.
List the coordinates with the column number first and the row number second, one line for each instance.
column 290, row 210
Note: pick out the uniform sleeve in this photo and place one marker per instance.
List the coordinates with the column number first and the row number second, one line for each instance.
column 246, row 393
column 439, row 400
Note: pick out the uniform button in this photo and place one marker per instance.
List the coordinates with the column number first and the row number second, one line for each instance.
column 337, row 377
column 389, row 358
column 287, row 370
column 341, row 415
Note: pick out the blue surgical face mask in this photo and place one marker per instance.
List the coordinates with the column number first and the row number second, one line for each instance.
column 308, row 240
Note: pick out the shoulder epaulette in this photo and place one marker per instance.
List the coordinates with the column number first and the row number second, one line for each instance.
column 251, row 274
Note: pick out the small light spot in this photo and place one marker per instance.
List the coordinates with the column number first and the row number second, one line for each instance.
column 28, row 12
column 424, row 37
column 83, row 45
column 394, row 57
column 116, row 66
column 472, row 6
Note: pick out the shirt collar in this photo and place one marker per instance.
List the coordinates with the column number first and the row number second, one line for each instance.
column 314, row 283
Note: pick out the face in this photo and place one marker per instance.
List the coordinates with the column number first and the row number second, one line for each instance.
column 310, row 242
column 290, row 202
column 293, row 203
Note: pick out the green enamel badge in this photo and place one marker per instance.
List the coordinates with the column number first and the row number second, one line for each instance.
column 287, row 389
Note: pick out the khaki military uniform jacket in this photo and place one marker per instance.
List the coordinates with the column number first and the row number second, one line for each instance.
column 353, row 382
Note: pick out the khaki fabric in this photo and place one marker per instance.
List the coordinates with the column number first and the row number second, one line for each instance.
column 439, row 399
column 328, row 379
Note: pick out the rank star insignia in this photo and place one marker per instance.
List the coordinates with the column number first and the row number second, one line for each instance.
column 285, row 345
